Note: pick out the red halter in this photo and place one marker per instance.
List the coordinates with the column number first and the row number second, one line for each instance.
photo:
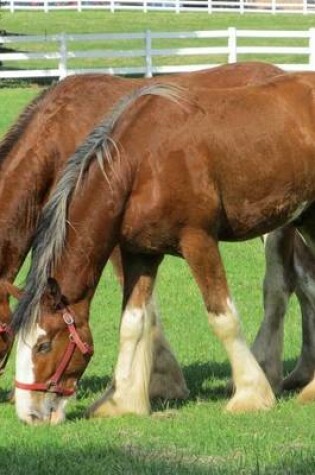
column 53, row 386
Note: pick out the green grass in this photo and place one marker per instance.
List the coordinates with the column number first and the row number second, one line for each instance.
column 105, row 22
column 194, row 437
column 12, row 102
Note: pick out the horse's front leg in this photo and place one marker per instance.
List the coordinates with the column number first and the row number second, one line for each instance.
column 252, row 389
column 167, row 379
column 129, row 391
column 278, row 286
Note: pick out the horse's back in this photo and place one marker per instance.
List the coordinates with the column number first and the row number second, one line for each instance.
column 242, row 158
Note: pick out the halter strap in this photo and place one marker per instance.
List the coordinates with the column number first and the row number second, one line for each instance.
column 53, row 386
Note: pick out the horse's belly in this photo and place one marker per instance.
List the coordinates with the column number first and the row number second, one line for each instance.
column 247, row 220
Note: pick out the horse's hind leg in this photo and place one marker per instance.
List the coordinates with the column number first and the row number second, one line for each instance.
column 306, row 281
column 278, row 286
column 304, row 264
column 167, row 379
column 304, row 369
column 129, row 392
column 252, row 389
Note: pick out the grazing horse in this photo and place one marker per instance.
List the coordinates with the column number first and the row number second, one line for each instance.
column 45, row 135
column 213, row 165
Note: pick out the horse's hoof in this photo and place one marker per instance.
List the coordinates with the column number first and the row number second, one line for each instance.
column 249, row 401
column 105, row 409
column 111, row 405
column 307, row 394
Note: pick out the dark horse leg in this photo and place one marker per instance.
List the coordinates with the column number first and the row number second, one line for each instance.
column 279, row 282
column 252, row 389
column 304, row 264
column 167, row 380
column 129, row 392
column 306, row 294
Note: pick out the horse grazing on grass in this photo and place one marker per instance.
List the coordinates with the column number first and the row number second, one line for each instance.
column 213, row 165
column 44, row 136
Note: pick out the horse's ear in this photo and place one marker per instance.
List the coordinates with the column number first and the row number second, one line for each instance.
column 53, row 295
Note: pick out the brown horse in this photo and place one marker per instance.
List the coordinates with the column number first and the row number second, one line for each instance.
column 44, row 136
column 222, row 166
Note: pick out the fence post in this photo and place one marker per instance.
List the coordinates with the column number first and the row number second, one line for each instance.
column 305, row 9
column 177, row 6
column 148, row 54
column 79, row 6
column 209, row 6
column 232, row 45
column 46, row 7
column 273, row 6
column 12, row 6
column 241, row 7
column 145, row 6
column 112, row 6
column 312, row 49
column 63, row 56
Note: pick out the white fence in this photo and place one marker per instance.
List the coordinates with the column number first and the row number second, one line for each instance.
column 209, row 6
column 227, row 47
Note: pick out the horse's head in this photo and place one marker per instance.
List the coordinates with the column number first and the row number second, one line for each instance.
column 51, row 357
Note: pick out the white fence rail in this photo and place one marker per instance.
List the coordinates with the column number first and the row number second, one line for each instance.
column 205, row 49
column 208, row 6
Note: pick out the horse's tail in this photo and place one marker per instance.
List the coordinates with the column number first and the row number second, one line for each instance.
column 51, row 232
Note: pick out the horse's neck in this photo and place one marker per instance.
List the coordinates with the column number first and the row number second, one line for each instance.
column 25, row 179
column 27, row 176
column 95, row 217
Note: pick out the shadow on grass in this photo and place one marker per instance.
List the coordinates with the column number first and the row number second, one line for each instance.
column 196, row 375
column 205, row 380
column 91, row 385
column 5, row 396
column 136, row 460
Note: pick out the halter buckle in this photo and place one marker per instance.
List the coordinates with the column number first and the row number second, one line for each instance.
column 68, row 318
column 51, row 385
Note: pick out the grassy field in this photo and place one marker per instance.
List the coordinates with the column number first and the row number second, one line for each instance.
column 194, row 437
column 104, row 22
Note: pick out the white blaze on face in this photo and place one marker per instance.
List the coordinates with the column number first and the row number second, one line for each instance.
column 25, row 372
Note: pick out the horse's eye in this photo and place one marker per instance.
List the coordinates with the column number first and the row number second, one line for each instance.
column 44, row 347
